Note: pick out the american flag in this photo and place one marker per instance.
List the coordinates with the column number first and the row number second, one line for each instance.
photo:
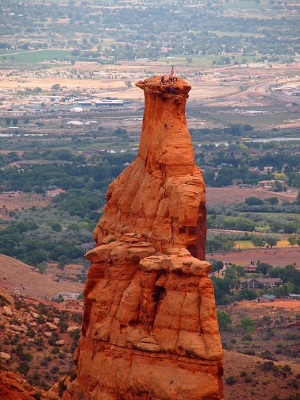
column 172, row 71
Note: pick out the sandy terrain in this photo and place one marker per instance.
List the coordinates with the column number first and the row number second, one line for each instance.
column 19, row 201
column 17, row 277
column 277, row 304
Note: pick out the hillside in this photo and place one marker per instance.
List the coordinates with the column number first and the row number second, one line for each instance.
column 14, row 386
column 259, row 379
column 22, row 279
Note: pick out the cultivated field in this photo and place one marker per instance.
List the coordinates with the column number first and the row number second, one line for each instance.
column 234, row 195
column 276, row 257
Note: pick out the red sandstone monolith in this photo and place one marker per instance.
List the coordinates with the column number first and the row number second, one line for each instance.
column 149, row 326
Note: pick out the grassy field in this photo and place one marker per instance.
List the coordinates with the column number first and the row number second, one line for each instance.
column 203, row 61
column 35, row 56
column 233, row 34
column 245, row 5
column 259, row 120
column 247, row 244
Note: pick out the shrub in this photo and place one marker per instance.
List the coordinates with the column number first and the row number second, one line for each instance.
column 73, row 376
column 62, row 387
column 231, row 380
column 55, row 350
column 247, row 337
column 248, row 379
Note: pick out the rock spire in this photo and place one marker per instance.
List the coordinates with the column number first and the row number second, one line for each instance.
column 149, row 326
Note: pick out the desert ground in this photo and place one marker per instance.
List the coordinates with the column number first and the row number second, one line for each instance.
column 22, row 279
column 16, row 202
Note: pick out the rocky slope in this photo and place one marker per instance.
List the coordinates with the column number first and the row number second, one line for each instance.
column 149, row 326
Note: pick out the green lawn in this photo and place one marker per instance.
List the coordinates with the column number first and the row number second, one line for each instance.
column 36, row 56
column 203, row 61
column 260, row 120
column 244, row 5
column 233, row 34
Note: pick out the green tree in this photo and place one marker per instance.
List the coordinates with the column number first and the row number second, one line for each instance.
column 120, row 132
column 292, row 240
column 257, row 241
column 224, row 320
column 263, row 268
column 271, row 241
column 247, row 128
column 209, row 178
column 232, row 274
column 253, row 201
column 7, row 121
column 272, row 200
column 247, row 325
column 275, row 226
column 15, row 121
column 56, row 226
column 62, row 261
column 27, row 188
column 247, row 294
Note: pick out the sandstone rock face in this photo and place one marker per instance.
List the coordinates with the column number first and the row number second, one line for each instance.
column 161, row 195
column 149, row 326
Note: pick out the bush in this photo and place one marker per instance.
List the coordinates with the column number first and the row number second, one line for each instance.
column 55, row 350
column 73, row 376
column 230, row 380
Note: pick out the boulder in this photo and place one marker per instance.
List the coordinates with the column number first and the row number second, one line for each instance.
column 4, row 356
column 6, row 310
column 51, row 326
column 17, row 328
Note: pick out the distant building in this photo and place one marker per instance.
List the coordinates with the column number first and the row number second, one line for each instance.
column 292, row 296
column 55, row 192
column 109, row 103
column 75, row 123
column 265, row 298
column 255, row 283
column 76, row 110
column 250, row 269
column 65, row 296
column 87, row 246
column 84, row 103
